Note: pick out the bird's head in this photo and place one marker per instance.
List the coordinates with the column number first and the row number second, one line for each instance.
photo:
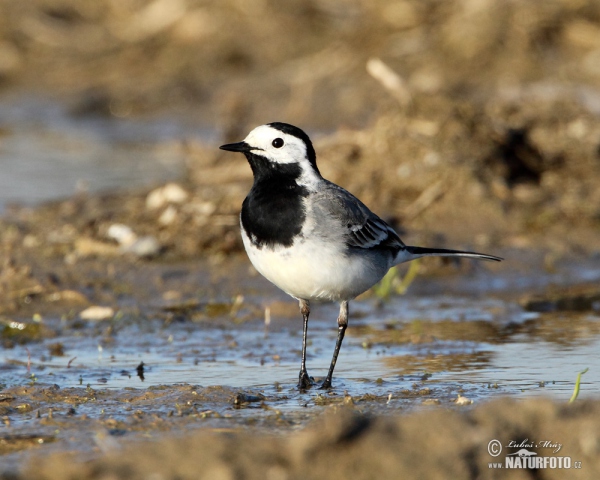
column 278, row 146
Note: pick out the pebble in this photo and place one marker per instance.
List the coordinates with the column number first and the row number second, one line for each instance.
column 123, row 234
column 169, row 193
column 97, row 313
column 143, row 247
column 85, row 247
column 463, row 400
column 68, row 296
column 168, row 216
column 129, row 242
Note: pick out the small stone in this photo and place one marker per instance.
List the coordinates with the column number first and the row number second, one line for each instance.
column 169, row 193
column 97, row 313
column 143, row 247
column 123, row 234
column 87, row 247
column 68, row 296
column 463, row 400
column 168, row 216
column 31, row 241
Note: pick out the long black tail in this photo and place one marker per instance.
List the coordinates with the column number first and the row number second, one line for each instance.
column 442, row 252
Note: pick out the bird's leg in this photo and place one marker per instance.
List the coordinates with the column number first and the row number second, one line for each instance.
column 342, row 324
column 304, row 380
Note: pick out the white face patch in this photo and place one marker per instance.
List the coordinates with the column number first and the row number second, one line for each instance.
column 261, row 139
column 282, row 148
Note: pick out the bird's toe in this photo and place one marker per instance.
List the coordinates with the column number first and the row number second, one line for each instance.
column 305, row 381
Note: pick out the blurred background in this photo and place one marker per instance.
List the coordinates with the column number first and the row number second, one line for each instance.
column 421, row 107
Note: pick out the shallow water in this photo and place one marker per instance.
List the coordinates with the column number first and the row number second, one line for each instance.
column 47, row 153
column 474, row 346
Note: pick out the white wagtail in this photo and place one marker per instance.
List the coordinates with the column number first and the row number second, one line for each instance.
column 310, row 237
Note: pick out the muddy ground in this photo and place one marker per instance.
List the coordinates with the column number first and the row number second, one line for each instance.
column 464, row 124
column 431, row 444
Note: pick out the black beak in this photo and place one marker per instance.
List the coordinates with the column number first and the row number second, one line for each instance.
column 236, row 147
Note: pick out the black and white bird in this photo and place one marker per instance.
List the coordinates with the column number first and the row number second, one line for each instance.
column 310, row 237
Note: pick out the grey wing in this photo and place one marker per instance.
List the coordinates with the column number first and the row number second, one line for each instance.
column 360, row 227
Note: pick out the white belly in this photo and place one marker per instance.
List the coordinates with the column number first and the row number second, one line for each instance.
column 314, row 271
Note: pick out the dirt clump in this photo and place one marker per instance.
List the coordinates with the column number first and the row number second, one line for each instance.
column 435, row 443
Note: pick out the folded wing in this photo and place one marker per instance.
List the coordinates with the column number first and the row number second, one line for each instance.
column 361, row 228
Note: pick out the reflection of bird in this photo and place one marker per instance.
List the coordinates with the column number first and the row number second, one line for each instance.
column 311, row 238
column 523, row 453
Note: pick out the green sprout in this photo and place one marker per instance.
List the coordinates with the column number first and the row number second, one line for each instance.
column 577, row 384
column 392, row 283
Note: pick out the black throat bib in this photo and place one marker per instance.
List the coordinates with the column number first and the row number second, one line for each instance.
column 273, row 212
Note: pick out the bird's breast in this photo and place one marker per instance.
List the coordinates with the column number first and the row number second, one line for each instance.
column 315, row 270
column 274, row 214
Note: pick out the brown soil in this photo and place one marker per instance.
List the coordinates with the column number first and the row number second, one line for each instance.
column 343, row 443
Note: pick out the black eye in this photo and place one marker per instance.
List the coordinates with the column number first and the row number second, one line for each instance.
column 278, row 143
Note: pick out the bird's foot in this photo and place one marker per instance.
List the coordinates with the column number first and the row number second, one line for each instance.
column 305, row 381
column 326, row 385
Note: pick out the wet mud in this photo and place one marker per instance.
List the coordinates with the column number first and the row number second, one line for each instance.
column 355, row 445
column 172, row 365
